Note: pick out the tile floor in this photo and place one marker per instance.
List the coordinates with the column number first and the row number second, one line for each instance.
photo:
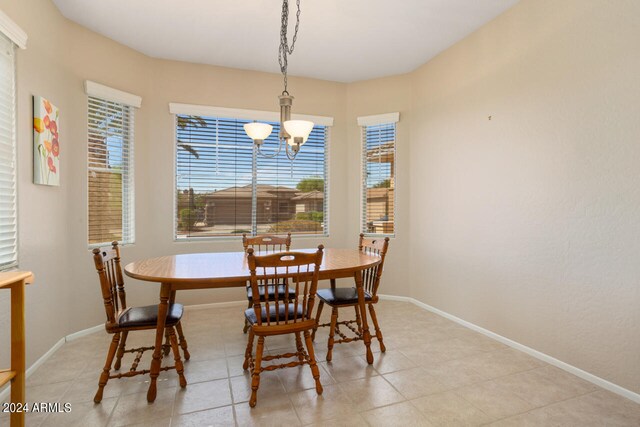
column 434, row 372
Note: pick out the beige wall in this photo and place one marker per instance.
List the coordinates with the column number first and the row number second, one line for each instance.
column 525, row 224
column 528, row 224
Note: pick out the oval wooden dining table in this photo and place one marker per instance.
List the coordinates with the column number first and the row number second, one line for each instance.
column 230, row 269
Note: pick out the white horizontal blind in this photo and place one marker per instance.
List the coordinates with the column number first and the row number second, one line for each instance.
column 8, row 220
column 215, row 181
column 378, row 179
column 291, row 195
column 110, row 172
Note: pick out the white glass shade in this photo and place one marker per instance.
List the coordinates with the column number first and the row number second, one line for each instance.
column 298, row 129
column 258, row 131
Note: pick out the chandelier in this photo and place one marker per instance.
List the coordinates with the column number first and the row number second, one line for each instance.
column 293, row 133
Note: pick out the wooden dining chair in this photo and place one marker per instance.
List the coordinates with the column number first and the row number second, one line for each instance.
column 122, row 319
column 260, row 244
column 284, row 314
column 348, row 297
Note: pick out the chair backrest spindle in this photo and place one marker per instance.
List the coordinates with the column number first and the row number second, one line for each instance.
column 371, row 276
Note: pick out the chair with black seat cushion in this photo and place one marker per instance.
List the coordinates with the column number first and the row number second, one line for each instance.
column 285, row 314
column 122, row 319
column 261, row 244
column 337, row 298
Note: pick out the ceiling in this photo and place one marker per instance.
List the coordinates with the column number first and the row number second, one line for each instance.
column 339, row 40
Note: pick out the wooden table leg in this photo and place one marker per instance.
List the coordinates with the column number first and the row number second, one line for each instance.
column 17, row 351
column 156, row 362
column 366, row 336
column 181, row 339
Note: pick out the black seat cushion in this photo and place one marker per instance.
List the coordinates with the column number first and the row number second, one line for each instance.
column 135, row 317
column 341, row 296
column 271, row 290
column 250, row 313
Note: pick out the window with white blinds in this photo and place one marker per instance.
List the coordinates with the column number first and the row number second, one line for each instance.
column 110, row 172
column 8, row 217
column 222, row 188
column 378, row 178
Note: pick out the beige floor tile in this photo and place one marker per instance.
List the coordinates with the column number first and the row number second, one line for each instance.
column 83, row 390
column 234, row 366
column 415, row 382
column 269, row 384
column 545, row 385
column 348, row 368
column 47, row 392
column 83, row 414
column 201, row 396
column 218, row 417
column 402, row 414
column 449, row 409
column 334, row 403
column 30, row 419
column 339, row 350
column 600, row 408
column 271, row 410
column 429, row 352
column 300, row 378
column 205, row 370
column 534, row 418
column 455, row 373
column 369, row 393
column 502, row 362
column 493, row 399
column 164, row 422
column 390, row 361
column 134, row 408
column 352, row 420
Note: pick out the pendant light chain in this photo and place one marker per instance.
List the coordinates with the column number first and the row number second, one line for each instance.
column 285, row 50
column 292, row 140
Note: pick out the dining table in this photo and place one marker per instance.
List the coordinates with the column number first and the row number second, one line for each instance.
column 212, row 270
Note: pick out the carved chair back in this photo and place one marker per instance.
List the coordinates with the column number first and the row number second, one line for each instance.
column 107, row 261
column 371, row 276
column 300, row 270
column 267, row 242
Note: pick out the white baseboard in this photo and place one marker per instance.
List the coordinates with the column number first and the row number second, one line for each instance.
column 83, row 333
column 601, row 382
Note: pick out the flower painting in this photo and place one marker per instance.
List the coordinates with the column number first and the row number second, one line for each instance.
column 46, row 146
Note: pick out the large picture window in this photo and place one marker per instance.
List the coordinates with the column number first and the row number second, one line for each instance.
column 8, row 220
column 378, row 174
column 223, row 188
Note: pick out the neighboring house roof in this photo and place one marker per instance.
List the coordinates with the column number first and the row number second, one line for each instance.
column 311, row 195
column 265, row 191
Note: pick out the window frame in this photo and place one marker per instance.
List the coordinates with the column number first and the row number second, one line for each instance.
column 242, row 114
column 363, row 123
column 13, row 169
column 107, row 94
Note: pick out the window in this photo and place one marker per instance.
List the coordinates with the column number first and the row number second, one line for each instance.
column 378, row 173
column 222, row 188
column 110, row 171
column 8, row 220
